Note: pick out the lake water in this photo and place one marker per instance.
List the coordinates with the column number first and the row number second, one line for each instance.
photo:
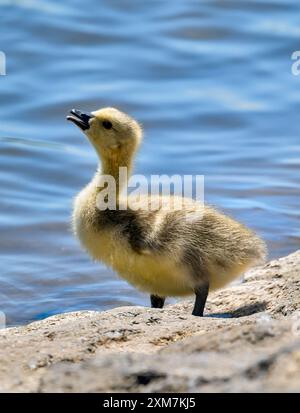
column 211, row 83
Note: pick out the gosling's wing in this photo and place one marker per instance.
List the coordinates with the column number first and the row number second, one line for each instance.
column 157, row 225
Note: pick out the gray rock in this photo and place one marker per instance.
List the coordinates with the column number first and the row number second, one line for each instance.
column 249, row 341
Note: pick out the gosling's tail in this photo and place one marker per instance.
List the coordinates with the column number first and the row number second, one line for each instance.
column 257, row 251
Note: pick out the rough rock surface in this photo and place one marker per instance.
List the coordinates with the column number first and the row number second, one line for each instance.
column 249, row 340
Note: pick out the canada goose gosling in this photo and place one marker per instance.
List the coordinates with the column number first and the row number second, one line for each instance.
column 166, row 253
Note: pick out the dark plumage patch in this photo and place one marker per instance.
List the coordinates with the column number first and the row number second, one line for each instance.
column 135, row 230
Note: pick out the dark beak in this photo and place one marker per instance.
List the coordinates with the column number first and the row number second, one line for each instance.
column 80, row 119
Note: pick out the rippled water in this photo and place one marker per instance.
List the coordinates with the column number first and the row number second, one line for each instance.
column 210, row 81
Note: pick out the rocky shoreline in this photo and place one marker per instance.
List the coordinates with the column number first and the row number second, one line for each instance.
column 249, row 340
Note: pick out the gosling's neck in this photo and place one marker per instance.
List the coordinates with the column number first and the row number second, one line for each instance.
column 117, row 165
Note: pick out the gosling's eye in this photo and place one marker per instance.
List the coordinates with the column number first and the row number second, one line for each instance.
column 107, row 124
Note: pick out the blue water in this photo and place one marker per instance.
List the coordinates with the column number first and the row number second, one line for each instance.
column 211, row 83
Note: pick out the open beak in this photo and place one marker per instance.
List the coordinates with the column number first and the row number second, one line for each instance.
column 80, row 119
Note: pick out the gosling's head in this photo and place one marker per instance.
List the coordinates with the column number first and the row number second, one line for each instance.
column 110, row 131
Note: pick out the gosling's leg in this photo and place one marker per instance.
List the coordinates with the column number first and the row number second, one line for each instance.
column 201, row 296
column 156, row 301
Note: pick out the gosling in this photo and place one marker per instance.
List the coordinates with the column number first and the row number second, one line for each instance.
column 176, row 252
